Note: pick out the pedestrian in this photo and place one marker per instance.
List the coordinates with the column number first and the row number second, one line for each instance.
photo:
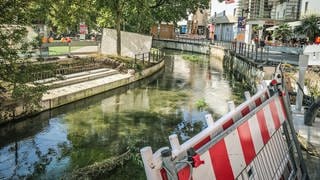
column 317, row 40
column 68, row 40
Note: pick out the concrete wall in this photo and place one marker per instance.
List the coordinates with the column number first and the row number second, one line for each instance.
column 65, row 99
column 13, row 114
column 218, row 52
column 183, row 46
column 131, row 43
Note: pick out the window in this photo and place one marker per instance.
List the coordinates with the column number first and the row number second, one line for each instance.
column 306, row 7
column 292, row 11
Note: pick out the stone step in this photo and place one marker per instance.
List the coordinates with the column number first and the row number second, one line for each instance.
column 73, row 75
column 82, row 86
column 69, row 76
column 81, row 77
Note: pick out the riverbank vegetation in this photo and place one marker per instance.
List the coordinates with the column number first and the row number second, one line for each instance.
column 192, row 58
column 201, row 104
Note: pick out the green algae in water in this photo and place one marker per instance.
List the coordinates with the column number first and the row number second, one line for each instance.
column 192, row 58
column 201, row 104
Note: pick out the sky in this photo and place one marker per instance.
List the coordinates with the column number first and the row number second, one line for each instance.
column 218, row 7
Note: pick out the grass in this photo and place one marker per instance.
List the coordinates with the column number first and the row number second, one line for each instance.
column 201, row 104
column 192, row 58
column 59, row 50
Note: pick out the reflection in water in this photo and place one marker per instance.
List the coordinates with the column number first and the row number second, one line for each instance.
column 242, row 75
column 54, row 143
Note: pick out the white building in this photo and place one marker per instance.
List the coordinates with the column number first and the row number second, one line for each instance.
column 218, row 8
column 225, row 28
column 309, row 7
column 224, row 19
column 286, row 11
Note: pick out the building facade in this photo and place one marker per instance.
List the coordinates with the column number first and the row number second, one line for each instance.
column 262, row 14
column 224, row 20
column 309, row 7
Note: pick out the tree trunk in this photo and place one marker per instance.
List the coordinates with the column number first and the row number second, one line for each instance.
column 118, row 28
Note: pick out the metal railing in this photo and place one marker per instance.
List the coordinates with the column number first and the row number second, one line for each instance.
column 64, row 48
column 153, row 56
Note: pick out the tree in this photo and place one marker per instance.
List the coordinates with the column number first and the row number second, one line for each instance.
column 66, row 15
column 141, row 14
column 115, row 9
column 309, row 27
column 283, row 32
column 14, row 49
column 173, row 11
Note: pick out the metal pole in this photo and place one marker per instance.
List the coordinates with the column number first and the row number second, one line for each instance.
column 251, row 51
column 286, row 103
column 142, row 58
column 261, row 54
column 256, row 53
column 135, row 59
column 303, row 64
column 268, row 50
column 69, row 45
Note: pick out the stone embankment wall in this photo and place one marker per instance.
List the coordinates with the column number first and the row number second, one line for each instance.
column 193, row 46
column 15, row 112
column 218, row 52
column 130, row 78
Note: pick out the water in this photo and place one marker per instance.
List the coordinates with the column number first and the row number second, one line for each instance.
column 56, row 143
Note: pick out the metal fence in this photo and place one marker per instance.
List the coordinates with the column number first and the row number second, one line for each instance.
column 64, row 48
column 153, row 56
column 271, row 55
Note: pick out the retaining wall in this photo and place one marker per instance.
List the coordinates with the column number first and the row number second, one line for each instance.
column 131, row 43
column 218, row 52
column 50, row 103
column 65, row 99
column 203, row 48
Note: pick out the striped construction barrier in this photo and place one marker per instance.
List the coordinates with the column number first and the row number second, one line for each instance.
column 233, row 156
column 253, row 141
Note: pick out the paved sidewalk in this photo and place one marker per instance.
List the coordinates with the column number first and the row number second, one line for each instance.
column 310, row 133
column 86, row 49
column 69, row 89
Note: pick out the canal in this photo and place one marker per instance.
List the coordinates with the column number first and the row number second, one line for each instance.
column 57, row 144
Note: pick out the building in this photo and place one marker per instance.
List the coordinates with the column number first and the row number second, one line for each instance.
column 163, row 31
column 263, row 14
column 199, row 22
column 225, row 28
column 285, row 10
column 224, row 20
column 309, row 7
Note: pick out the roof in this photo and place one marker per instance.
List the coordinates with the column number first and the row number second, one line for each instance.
column 291, row 24
column 225, row 19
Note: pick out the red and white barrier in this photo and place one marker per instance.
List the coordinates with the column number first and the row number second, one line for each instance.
column 246, row 143
column 227, row 158
column 223, row 123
